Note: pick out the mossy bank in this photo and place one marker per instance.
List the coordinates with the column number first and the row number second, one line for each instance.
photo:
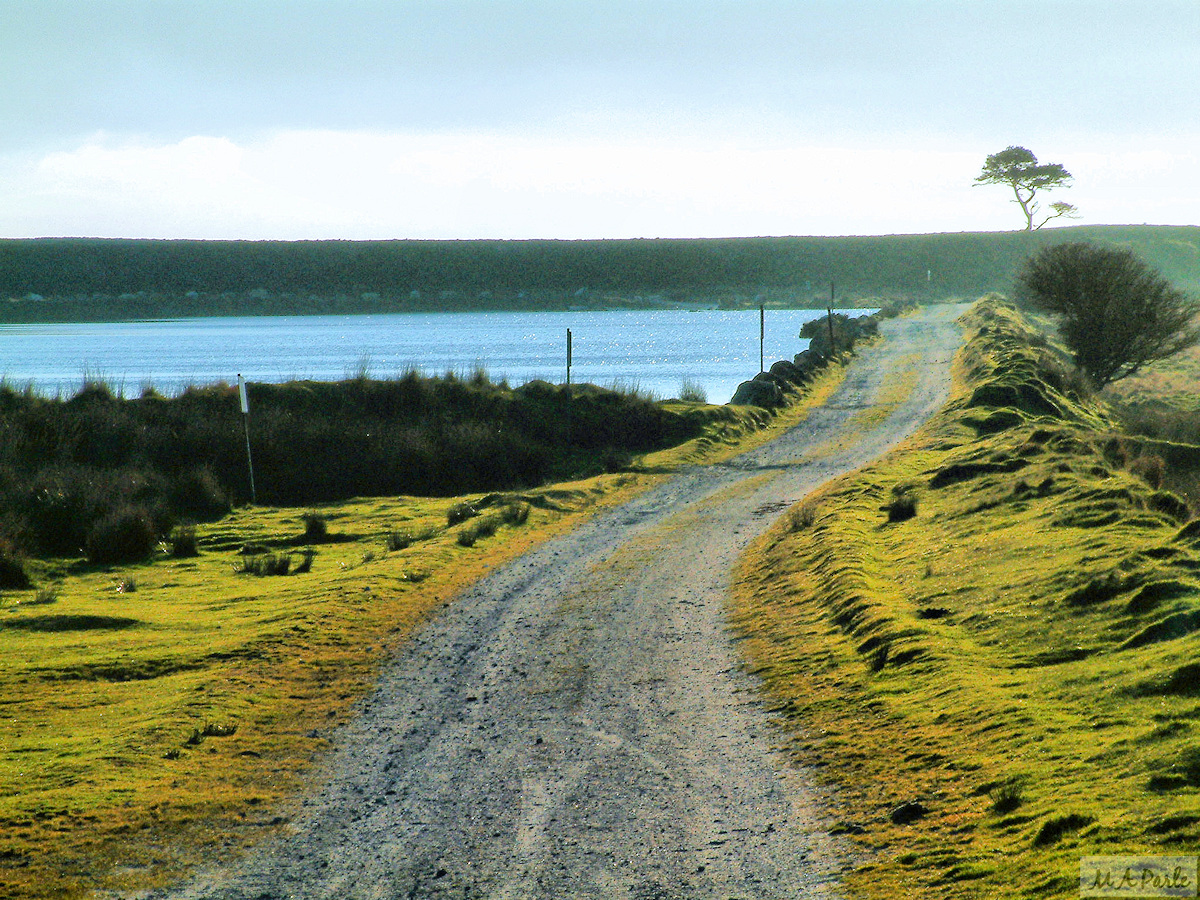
column 986, row 641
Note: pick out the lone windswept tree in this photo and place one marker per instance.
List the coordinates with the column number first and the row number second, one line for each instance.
column 1115, row 312
column 1020, row 170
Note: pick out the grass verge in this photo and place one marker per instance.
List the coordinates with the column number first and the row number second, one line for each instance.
column 986, row 641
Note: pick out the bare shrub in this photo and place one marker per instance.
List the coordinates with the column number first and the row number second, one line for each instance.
column 44, row 596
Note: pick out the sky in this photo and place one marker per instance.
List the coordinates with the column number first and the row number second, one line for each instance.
column 381, row 119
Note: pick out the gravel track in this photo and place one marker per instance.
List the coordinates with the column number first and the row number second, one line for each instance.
column 577, row 725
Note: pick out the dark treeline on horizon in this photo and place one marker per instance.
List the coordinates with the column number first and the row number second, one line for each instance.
column 94, row 278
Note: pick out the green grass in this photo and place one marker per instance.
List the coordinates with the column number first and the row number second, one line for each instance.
column 1161, row 405
column 144, row 732
column 1017, row 656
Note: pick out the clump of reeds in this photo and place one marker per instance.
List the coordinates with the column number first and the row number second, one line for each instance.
column 266, row 564
column 692, row 391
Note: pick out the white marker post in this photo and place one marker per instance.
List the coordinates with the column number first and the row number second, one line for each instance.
column 246, row 422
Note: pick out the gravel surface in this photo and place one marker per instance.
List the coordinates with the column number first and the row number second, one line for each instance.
column 578, row 724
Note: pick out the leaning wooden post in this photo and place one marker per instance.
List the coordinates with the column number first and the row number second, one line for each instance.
column 762, row 336
column 246, row 423
column 829, row 310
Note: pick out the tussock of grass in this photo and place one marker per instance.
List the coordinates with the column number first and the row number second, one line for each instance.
column 1017, row 658
column 403, row 538
column 265, row 564
column 459, row 513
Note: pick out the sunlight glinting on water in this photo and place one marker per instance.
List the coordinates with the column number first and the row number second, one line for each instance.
column 652, row 351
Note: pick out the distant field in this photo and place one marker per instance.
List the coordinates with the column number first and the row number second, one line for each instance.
column 1172, row 382
column 1163, row 403
column 71, row 279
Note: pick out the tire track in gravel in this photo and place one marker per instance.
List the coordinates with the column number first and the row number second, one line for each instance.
column 578, row 723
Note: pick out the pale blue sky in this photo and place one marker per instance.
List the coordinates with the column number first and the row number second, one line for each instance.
column 531, row 118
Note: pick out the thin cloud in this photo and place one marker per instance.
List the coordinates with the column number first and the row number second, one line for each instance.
column 521, row 118
column 323, row 184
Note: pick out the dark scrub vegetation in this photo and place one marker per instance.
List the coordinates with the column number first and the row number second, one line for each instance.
column 109, row 476
column 89, row 279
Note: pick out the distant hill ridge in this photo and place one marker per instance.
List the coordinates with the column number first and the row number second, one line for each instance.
column 94, row 278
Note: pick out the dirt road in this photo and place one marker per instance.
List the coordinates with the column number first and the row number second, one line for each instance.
column 577, row 725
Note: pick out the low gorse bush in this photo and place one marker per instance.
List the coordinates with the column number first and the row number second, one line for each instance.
column 459, row 513
column 480, row 528
column 183, row 542
column 399, row 540
column 1007, row 795
column 802, row 516
column 316, row 527
column 515, row 512
column 12, row 568
column 198, row 494
column 902, row 507
column 127, row 534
